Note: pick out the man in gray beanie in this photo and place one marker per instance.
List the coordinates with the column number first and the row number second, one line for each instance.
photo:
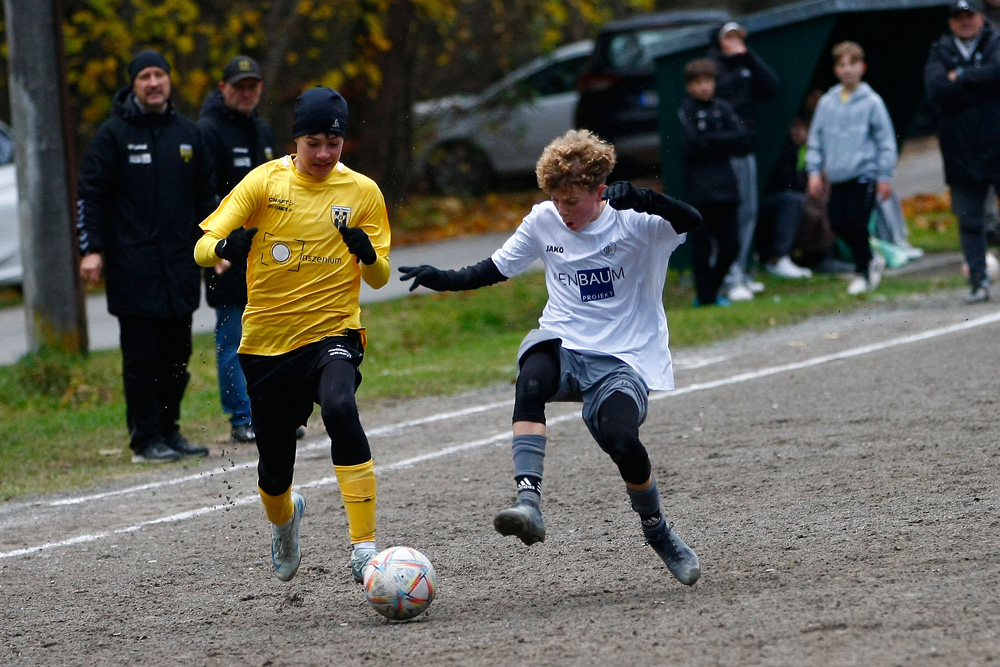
column 145, row 184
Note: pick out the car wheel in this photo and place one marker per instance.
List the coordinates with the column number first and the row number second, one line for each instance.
column 459, row 169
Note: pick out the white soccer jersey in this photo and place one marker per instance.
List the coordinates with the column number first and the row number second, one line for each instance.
column 605, row 283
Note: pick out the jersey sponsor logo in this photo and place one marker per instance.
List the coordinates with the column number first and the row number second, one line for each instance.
column 340, row 215
column 282, row 253
column 187, row 152
column 242, row 161
column 339, row 351
column 279, row 204
column 140, row 158
column 594, row 284
column 608, row 251
column 554, row 248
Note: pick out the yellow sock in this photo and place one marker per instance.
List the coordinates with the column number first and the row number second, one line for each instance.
column 357, row 488
column 279, row 508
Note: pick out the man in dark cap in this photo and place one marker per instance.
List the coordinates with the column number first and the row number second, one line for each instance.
column 145, row 183
column 238, row 141
column 311, row 229
column 962, row 79
column 743, row 79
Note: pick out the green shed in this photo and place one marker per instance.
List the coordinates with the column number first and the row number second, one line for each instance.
column 795, row 40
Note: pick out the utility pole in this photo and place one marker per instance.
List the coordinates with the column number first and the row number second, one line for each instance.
column 53, row 294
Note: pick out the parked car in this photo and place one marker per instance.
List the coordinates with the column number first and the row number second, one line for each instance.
column 11, row 270
column 618, row 99
column 466, row 143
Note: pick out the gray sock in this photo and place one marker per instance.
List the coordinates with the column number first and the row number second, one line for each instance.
column 529, row 459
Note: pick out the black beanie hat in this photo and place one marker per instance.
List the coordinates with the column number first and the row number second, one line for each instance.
column 147, row 58
column 320, row 110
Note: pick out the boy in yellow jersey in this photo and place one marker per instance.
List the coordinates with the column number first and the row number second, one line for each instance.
column 311, row 229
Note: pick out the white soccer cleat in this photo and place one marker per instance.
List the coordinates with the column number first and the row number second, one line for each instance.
column 285, row 553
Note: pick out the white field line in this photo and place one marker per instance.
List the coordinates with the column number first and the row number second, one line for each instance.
column 494, row 439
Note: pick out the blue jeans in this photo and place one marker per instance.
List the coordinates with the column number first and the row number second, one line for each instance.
column 745, row 168
column 232, row 384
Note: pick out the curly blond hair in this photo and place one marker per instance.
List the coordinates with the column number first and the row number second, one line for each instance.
column 578, row 157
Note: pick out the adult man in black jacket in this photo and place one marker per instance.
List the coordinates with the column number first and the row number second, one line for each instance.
column 238, row 141
column 743, row 79
column 145, row 184
column 962, row 78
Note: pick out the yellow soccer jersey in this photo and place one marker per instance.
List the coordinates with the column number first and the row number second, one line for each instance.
column 303, row 283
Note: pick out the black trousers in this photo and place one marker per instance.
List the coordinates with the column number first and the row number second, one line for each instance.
column 850, row 208
column 283, row 390
column 718, row 233
column 155, row 355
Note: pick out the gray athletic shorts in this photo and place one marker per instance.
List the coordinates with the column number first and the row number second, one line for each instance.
column 590, row 377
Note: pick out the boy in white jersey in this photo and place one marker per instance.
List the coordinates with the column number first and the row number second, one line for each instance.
column 602, row 337
column 310, row 229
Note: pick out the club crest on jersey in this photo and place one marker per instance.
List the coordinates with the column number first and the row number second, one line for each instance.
column 187, row 152
column 340, row 215
column 608, row 251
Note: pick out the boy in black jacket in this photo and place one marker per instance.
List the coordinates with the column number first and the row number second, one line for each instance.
column 712, row 133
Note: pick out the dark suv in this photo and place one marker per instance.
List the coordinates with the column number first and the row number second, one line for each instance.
column 618, row 99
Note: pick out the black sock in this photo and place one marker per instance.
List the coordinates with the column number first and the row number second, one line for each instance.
column 529, row 489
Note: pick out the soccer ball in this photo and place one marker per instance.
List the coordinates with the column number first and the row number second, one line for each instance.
column 399, row 583
column 992, row 268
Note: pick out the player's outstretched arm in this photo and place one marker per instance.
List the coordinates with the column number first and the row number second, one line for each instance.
column 471, row 277
column 682, row 216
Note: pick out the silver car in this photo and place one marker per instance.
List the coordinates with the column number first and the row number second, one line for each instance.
column 466, row 143
column 11, row 270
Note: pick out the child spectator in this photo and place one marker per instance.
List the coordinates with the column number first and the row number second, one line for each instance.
column 712, row 133
column 783, row 205
column 853, row 144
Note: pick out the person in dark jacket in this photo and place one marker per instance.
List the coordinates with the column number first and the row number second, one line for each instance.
column 962, row 78
column 145, row 184
column 742, row 79
column 712, row 133
column 238, row 141
column 783, row 205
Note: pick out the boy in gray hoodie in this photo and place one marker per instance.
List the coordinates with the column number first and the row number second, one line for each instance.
column 852, row 144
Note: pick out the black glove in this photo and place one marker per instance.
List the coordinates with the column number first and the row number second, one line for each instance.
column 681, row 216
column 358, row 243
column 623, row 195
column 471, row 277
column 425, row 275
column 236, row 246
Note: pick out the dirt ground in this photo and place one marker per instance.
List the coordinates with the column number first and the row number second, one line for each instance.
column 839, row 480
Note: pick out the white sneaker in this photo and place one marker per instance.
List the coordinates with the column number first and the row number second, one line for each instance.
column 739, row 293
column 875, row 268
column 911, row 252
column 858, row 286
column 786, row 268
column 755, row 286
column 285, row 554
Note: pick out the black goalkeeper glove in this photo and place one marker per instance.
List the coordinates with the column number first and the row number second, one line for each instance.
column 236, row 246
column 358, row 243
column 681, row 216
